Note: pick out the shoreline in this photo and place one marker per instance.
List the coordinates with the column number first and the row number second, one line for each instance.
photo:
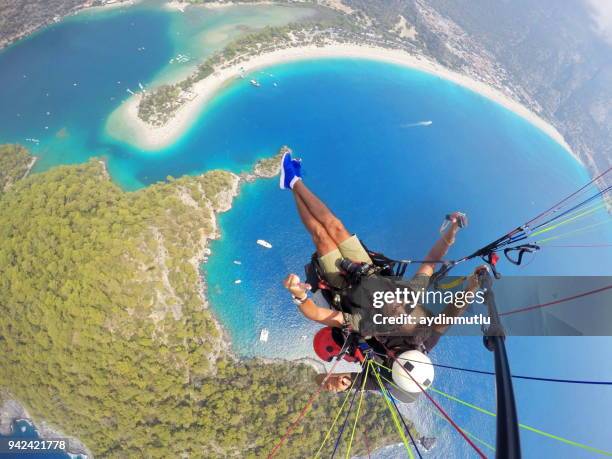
column 48, row 22
column 30, row 167
column 108, row 6
column 266, row 168
column 11, row 411
column 125, row 125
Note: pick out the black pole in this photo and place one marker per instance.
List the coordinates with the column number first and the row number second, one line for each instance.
column 508, row 444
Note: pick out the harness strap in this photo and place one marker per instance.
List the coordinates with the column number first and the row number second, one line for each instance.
column 522, row 250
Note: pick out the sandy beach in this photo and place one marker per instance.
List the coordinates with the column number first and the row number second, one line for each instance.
column 125, row 125
column 117, row 4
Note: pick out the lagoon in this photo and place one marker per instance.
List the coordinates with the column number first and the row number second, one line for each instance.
column 392, row 150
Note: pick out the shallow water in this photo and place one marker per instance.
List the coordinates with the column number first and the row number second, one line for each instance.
column 389, row 180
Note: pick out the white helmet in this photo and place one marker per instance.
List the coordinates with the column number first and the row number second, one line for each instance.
column 420, row 368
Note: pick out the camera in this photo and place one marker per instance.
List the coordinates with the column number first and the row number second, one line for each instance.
column 354, row 271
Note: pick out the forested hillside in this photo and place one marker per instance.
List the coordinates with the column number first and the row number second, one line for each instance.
column 14, row 164
column 105, row 335
column 19, row 18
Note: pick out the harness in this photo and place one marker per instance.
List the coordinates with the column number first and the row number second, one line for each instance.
column 338, row 300
column 381, row 265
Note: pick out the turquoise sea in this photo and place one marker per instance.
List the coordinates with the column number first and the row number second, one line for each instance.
column 391, row 180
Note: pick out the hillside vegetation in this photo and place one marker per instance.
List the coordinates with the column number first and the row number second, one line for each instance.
column 20, row 18
column 15, row 162
column 106, row 336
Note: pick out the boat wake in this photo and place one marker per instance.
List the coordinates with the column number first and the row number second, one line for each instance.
column 420, row 123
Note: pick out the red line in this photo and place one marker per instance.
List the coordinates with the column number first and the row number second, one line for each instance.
column 457, row 428
column 295, row 423
column 551, row 303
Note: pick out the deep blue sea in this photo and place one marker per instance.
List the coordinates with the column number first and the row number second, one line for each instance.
column 23, row 430
column 391, row 180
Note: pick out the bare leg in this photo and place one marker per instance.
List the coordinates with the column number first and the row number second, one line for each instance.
column 333, row 226
column 322, row 241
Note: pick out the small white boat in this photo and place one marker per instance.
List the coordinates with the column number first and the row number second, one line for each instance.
column 263, row 336
column 263, row 243
column 140, row 86
column 130, row 91
column 418, row 124
column 274, row 84
column 237, row 262
column 255, row 83
column 237, row 281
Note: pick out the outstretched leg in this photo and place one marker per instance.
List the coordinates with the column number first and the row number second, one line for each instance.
column 332, row 225
column 322, row 240
column 333, row 242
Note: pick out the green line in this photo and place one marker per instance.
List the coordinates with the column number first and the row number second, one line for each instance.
column 595, row 206
column 474, row 437
column 579, row 230
column 348, row 451
column 524, row 426
column 399, row 428
column 584, row 211
column 564, row 222
column 382, row 366
column 348, row 393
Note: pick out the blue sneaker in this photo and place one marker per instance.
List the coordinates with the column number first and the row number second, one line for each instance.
column 288, row 174
column 297, row 166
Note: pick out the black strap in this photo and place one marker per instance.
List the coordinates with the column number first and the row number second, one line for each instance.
column 522, row 250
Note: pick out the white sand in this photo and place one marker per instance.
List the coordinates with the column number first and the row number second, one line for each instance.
column 125, row 125
column 225, row 4
column 176, row 5
column 109, row 6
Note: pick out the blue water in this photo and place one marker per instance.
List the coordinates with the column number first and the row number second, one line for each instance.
column 389, row 183
column 392, row 186
column 38, row 77
column 24, row 430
